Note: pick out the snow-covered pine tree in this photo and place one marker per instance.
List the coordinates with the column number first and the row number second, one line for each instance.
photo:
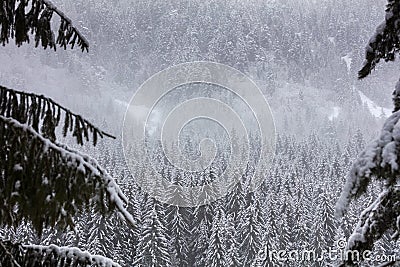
column 380, row 159
column 302, row 228
column 324, row 227
column 282, row 222
column 325, row 219
column 153, row 248
column 179, row 232
column 42, row 181
column 236, row 201
column 232, row 244
column 216, row 252
column 201, row 227
column 130, row 239
column 251, row 227
column 100, row 234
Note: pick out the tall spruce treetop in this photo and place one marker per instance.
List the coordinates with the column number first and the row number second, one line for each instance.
column 42, row 181
column 380, row 159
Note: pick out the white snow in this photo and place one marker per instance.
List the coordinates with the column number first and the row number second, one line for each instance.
column 18, row 167
column 74, row 253
column 121, row 103
column 335, row 113
column 347, row 59
column 17, row 185
column 76, row 158
column 376, row 156
column 376, row 111
column 367, row 221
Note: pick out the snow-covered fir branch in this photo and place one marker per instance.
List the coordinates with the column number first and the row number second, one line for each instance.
column 77, row 171
column 73, row 253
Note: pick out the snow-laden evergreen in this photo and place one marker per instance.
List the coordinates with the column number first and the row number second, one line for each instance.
column 302, row 54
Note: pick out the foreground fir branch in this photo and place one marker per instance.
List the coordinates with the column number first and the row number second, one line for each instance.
column 378, row 161
column 381, row 159
column 38, row 110
column 42, row 181
column 19, row 18
column 18, row 255
column 376, row 219
column 48, row 183
column 385, row 43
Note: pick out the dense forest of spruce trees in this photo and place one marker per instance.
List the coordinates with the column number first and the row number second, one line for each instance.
column 291, row 210
column 296, row 52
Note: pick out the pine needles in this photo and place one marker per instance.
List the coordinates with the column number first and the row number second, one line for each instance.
column 16, row 23
column 42, row 112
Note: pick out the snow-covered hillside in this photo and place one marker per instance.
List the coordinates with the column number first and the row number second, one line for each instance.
column 376, row 110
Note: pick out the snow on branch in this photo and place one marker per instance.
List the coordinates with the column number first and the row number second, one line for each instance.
column 39, row 110
column 48, row 183
column 379, row 217
column 15, row 254
column 16, row 23
column 389, row 263
column 385, row 42
column 379, row 159
column 67, row 31
column 73, row 253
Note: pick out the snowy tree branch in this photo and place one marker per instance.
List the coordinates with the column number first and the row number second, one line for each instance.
column 49, row 183
column 7, row 255
column 83, row 42
column 375, row 220
column 385, row 43
column 17, row 255
column 33, row 109
column 71, row 252
column 16, row 23
column 379, row 159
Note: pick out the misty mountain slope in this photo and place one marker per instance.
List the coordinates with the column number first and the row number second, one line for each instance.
column 297, row 108
column 303, row 55
column 375, row 110
column 82, row 87
column 274, row 42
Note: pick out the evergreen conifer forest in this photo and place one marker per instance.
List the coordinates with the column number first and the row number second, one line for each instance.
column 318, row 188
